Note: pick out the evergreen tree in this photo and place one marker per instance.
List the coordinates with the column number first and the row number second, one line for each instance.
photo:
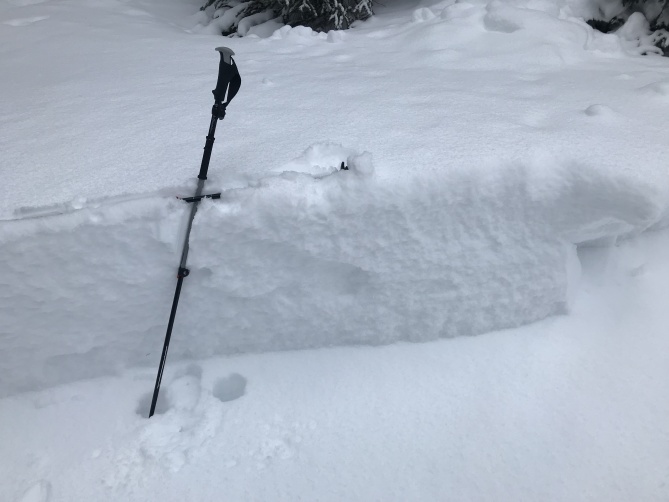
column 320, row 15
column 656, row 13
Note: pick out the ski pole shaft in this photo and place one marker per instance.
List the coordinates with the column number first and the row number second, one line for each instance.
column 181, row 274
column 227, row 86
column 166, row 345
column 209, row 144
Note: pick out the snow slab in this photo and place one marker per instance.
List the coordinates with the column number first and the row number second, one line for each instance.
column 298, row 261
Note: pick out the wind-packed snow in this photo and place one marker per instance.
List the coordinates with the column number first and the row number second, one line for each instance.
column 504, row 159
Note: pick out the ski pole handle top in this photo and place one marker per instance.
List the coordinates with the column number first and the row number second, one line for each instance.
column 229, row 81
column 226, row 54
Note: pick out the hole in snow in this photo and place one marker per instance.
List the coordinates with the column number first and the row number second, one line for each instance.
column 230, row 388
column 144, row 404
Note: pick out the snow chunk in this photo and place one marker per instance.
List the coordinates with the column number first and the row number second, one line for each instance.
column 319, row 159
column 299, row 34
column 635, row 27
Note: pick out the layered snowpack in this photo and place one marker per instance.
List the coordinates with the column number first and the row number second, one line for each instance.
column 299, row 261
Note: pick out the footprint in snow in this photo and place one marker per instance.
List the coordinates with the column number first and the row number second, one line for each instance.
column 39, row 492
column 25, row 21
column 181, row 394
column 184, row 424
column 599, row 111
column 230, row 388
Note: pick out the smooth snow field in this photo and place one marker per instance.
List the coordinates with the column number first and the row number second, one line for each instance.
column 507, row 178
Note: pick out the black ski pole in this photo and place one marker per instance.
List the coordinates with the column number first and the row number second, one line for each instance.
column 227, row 86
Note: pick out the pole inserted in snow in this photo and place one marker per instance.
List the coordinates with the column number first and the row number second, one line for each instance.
column 227, row 86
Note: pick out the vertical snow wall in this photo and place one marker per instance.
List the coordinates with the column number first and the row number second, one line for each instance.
column 299, row 261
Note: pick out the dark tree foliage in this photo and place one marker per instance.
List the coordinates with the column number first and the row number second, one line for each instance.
column 320, row 15
column 655, row 11
column 606, row 26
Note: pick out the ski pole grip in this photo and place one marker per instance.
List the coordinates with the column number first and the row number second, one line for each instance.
column 229, row 81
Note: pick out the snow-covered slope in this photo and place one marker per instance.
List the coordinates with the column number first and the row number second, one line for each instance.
column 503, row 159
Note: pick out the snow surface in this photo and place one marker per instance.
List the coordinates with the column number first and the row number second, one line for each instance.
column 569, row 409
column 505, row 160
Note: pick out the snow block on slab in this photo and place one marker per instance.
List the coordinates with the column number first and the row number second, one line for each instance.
column 302, row 260
column 299, row 262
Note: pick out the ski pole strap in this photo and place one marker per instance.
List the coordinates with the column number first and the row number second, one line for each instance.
column 229, row 81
